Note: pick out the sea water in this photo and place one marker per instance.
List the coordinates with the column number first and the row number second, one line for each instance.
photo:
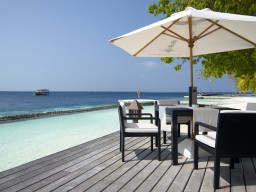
column 16, row 103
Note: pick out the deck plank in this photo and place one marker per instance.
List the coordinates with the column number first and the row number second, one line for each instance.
column 104, row 169
column 224, row 176
column 124, row 179
column 237, row 179
column 197, row 176
column 97, row 166
column 136, row 181
column 158, row 173
column 53, row 183
column 165, row 182
column 249, row 174
column 207, row 183
column 180, row 181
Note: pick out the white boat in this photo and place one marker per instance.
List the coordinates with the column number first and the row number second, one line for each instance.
column 40, row 92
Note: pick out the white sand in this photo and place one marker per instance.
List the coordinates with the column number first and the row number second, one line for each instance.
column 237, row 102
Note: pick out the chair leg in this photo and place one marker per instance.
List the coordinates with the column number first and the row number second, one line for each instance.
column 164, row 136
column 216, row 183
column 123, row 143
column 195, row 155
column 231, row 163
column 178, row 130
column 159, row 147
column 152, row 143
column 156, row 141
column 120, row 147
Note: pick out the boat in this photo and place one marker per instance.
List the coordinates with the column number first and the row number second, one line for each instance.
column 40, row 92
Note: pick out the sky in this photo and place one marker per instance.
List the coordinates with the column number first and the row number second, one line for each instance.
column 62, row 45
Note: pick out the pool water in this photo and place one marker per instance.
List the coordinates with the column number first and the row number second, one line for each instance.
column 25, row 141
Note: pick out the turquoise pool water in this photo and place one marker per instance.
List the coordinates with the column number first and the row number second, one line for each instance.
column 210, row 101
column 25, row 141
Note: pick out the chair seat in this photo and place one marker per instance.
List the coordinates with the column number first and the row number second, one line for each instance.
column 141, row 128
column 208, row 139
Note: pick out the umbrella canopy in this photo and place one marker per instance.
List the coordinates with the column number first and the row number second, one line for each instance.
column 190, row 33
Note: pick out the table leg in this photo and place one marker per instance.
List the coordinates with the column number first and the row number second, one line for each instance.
column 164, row 136
column 174, row 137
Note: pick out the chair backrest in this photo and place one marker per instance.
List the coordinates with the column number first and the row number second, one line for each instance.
column 122, row 114
column 251, row 106
column 236, row 134
column 166, row 102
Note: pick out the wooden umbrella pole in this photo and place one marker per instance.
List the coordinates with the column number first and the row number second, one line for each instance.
column 191, row 45
column 191, row 67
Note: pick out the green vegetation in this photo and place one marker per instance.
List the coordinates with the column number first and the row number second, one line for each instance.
column 238, row 64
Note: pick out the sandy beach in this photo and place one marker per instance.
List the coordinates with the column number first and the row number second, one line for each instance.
column 237, row 102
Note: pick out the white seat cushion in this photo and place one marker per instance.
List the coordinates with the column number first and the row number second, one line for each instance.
column 141, row 128
column 207, row 139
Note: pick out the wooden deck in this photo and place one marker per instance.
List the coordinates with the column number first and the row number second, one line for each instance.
column 97, row 166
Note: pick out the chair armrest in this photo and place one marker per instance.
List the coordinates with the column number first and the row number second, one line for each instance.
column 141, row 114
column 141, row 118
column 213, row 128
column 146, row 114
column 156, row 119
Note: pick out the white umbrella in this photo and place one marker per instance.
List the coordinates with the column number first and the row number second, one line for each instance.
column 190, row 33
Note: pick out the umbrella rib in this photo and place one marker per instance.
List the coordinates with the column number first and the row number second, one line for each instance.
column 203, row 33
column 177, row 35
column 240, row 36
column 208, row 33
column 154, row 38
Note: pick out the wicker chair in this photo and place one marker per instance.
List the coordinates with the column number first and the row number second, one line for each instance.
column 138, row 129
column 232, row 139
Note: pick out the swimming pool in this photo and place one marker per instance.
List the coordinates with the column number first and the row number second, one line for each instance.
column 25, row 141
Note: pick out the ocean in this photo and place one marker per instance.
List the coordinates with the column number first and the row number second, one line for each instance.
column 16, row 103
